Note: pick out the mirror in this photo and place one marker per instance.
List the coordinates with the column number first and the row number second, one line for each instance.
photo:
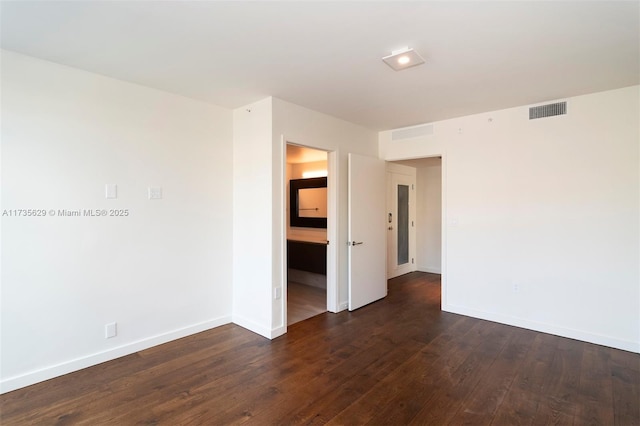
column 308, row 202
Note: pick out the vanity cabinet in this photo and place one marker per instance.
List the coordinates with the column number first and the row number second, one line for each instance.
column 307, row 256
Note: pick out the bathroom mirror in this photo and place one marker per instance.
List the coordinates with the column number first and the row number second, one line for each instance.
column 308, row 202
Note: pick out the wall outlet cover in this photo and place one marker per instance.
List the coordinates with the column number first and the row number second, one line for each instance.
column 111, row 190
column 110, row 330
column 155, row 192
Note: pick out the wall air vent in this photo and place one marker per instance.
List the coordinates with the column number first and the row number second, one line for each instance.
column 412, row 132
column 549, row 110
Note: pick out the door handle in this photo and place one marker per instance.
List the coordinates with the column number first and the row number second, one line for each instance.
column 355, row 243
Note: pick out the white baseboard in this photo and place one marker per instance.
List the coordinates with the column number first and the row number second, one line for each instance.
column 252, row 326
column 570, row 333
column 257, row 328
column 277, row 332
column 32, row 377
column 430, row 269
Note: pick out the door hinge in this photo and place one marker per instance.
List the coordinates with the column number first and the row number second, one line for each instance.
column 411, row 223
column 412, row 187
column 412, row 260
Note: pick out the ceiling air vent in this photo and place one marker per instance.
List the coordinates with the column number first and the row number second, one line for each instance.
column 549, row 110
column 412, row 132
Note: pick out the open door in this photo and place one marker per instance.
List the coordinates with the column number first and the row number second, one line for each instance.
column 367, row 231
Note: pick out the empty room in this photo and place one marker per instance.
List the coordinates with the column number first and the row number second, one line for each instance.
column 387, row 212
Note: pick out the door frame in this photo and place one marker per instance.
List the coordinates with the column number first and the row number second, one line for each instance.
column 332, row 227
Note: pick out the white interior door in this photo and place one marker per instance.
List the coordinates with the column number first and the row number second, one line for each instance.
column 367, row 231
column 401, row 231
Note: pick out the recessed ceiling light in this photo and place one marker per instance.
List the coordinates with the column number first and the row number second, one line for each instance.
column 403, row 58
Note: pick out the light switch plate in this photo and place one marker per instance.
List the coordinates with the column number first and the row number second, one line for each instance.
column 111, row 190
column 155, row 193
column 110, row 330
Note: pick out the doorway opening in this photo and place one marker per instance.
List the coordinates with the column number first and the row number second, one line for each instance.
column 307, row 211
column 426, row 214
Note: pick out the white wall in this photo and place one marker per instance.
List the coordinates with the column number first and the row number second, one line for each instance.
column 547, row 207
column 253, row 216
column 261, row 131
column 162, row 272
column 298, row 169
column 306, row 127
column 429, row 218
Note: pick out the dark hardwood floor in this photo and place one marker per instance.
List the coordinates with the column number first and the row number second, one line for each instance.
column 398, row 361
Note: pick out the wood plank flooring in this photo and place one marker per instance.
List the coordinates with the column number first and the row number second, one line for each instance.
column 304, row 302
column 395, row 362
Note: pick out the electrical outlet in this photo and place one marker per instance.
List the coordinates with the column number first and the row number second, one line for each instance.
column 516, row 287
column 110, row 330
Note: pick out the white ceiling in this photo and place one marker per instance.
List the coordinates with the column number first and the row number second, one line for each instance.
column 480, row 55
